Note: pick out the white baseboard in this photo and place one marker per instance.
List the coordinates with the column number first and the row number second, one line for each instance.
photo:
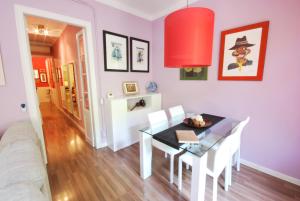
column 271, row 172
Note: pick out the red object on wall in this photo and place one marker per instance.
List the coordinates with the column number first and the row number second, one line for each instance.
column 189, row 38
column 39, row 63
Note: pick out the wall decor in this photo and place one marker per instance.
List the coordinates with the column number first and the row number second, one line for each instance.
column 139, row 55
column 242, row 52
column 36, row 74
column 151, row 87
column 2, row 78
column 130, row 88
column 140, row 103
column 58, row 72
column 193, row 73
column 115, row 52
column 43, row 77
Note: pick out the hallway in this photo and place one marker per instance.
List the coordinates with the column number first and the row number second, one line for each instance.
column 78, row 172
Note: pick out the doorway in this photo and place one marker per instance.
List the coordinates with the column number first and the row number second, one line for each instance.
column 68, row 87
column 57, row 70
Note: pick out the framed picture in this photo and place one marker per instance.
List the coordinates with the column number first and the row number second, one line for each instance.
column 130, row 88
column 115, row 52
column 2, row 78
column 36, row 74
column 43, row 77
column 193, row 73
column 139, row 55
column 242, row 52
column 58, row 72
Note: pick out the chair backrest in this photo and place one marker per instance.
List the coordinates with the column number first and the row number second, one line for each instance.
column 158, row 121
column 236, row 135
column 221, row 156
column 177, row 113
column 227, row 147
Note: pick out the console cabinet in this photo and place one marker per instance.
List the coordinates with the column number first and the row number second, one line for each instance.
column 123, row 124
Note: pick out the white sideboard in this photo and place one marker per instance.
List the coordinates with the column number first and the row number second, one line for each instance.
column 123, row 124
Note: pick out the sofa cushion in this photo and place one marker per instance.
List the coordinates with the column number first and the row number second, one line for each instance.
column 21, row 192
column 21, row 161
column 22, row 130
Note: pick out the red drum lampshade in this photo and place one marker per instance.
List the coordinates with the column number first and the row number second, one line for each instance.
column 189, row 38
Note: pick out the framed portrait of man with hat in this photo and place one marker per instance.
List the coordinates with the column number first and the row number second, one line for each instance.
column 242, row 52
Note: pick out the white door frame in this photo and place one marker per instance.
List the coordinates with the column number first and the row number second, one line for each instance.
column 86, row 124
column 32, row 100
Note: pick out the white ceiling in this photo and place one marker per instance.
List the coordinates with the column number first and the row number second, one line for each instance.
column 55, row 28
column 148, row 9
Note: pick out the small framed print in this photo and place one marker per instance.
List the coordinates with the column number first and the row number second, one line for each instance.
column 242, row 52
column 193, row 73
column 139, row 55
column 43, row 77
column 115, row 52
column 2, row 79
column 36, row 74
column 130, row 88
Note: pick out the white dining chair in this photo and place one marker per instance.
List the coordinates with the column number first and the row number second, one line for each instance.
column 218, row 160
column 236, row 145
column 159, row 122
column 234, row 152
column 177, row 114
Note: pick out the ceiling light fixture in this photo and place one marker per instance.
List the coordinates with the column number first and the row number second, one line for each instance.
column 189, row 38
column 41, row 29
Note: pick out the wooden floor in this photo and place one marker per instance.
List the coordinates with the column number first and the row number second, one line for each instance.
column 78, row 172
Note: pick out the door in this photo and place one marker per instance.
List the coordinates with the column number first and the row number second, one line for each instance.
column 84, row 96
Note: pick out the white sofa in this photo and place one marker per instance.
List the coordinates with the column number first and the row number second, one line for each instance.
column 23, row 174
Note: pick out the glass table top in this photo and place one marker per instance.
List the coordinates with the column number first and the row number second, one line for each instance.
column 208, row 137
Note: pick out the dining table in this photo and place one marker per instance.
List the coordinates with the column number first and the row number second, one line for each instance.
column 209, row 138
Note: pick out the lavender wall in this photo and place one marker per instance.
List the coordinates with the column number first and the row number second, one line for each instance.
column 101, row 17
column 272, row 138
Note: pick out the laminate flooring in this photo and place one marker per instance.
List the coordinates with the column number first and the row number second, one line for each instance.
column 77, row 172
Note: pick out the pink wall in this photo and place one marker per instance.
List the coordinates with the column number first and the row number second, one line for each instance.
column 126, row 24
column 272, row 138
column 65, row 50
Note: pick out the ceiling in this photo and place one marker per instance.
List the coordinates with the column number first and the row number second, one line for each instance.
column 147, row 9
column 54, row 28
column 42, row 40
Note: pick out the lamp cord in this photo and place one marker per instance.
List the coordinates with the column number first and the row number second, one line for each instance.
column 187, row 3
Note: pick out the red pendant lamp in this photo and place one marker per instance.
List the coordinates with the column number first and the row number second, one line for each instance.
column 189, row 38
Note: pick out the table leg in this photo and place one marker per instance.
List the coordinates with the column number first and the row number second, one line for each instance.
column 145, row 155
column 198, row 178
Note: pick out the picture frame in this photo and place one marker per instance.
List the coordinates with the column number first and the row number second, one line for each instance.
column 139, row 55
column 130, row 88
column 242, row 52
column 36, row 74
column 58, row 72
column 2, row 78
column 43, row 77
column 193, row 73
column 115, row 47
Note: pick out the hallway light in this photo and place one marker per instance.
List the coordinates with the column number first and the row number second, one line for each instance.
column 46, row 32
